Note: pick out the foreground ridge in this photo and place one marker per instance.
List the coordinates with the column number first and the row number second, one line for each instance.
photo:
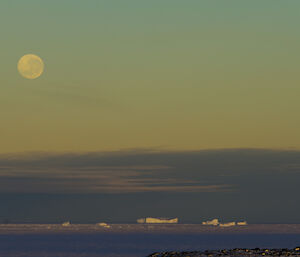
column 231, row 252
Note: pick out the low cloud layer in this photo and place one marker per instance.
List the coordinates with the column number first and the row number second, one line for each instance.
column 148, row 171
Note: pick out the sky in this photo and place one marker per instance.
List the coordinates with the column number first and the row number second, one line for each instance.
column 150, row 84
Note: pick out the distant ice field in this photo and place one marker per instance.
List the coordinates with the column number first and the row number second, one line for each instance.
column 76, row 241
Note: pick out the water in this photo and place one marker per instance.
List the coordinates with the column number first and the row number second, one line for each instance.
column 132, row 245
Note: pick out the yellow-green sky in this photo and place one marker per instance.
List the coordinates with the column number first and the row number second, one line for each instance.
column 179, row 75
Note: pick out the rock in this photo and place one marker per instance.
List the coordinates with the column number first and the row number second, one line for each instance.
column 237, row 252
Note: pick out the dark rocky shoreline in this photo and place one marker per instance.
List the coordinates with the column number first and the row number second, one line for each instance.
column 231, row 252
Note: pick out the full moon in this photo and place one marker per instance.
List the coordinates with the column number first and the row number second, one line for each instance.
column 30, row 66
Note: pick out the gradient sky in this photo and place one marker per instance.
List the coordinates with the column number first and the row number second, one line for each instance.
column 131, row 77
column 174, row 74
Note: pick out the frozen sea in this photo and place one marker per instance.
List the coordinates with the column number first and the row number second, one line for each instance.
column 131, row 243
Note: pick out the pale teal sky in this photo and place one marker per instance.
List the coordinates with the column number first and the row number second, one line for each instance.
column 136, row 74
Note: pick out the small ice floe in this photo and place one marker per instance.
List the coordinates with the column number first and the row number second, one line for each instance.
column 66, row 224
column 103, row 224
column 229, row 224
column 214, row 222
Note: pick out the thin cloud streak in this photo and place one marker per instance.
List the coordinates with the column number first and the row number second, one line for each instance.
column 90, row 173
column 105, row 181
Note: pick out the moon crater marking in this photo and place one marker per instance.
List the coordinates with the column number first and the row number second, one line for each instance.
column 30, row 66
